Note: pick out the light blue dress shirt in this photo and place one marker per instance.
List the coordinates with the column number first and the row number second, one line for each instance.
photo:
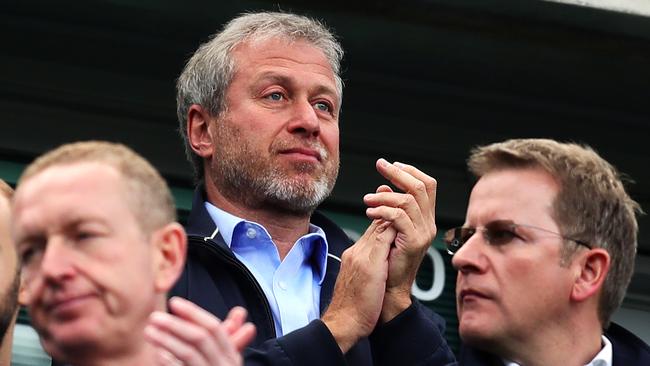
column 288, row 284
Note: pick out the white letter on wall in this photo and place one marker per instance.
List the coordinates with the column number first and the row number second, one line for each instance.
column 438, row 282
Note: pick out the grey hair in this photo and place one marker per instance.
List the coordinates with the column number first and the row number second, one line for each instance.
column 210, row 70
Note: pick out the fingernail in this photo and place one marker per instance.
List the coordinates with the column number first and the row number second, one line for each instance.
column 382, row 162
column 399, row 165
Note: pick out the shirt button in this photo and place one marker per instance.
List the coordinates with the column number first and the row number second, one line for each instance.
column 251, row 233
column 282, row 285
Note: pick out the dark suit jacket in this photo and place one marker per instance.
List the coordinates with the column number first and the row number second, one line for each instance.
column 217, row 281
column 627, row 349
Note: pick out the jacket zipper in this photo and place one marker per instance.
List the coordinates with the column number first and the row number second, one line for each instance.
column 215, row 249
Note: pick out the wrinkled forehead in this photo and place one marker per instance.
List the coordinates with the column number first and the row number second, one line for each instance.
column 280, row 47
column 257, row 52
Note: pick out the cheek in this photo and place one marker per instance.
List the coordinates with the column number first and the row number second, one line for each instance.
column 330, row 136
column 532, row 284
column 517, row 279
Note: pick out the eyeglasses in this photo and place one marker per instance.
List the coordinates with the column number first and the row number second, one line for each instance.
column 496, row 233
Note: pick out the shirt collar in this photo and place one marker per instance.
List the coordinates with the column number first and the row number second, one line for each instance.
column 603, row 358
column 226, row 223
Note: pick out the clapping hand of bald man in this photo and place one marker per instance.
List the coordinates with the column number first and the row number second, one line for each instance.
column 191, row 336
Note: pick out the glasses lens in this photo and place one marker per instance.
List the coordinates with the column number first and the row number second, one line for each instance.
column 499, row 232
column 456, row 237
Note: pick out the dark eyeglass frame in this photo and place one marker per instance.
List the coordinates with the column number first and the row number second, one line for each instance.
column 455, row 238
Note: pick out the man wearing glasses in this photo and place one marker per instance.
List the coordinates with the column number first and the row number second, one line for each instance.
column 544, row 258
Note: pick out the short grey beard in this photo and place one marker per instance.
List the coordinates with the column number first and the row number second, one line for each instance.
column 293, row 197
column 273, row 189
column 243, row 177
column 270, row 188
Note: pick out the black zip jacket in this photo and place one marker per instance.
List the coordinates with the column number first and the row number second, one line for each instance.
column 217, row 281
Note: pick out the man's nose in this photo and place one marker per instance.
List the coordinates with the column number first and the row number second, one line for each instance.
column 470, row 257
column 56, row 263
column 304, row 120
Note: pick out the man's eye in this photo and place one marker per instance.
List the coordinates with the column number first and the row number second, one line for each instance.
column 500, row 236
column 275, row 96
column 84, row 235
column 322, row 106
column 28, row 254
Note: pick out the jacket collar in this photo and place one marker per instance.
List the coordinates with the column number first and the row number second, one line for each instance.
column 200, row 224
column 628, row 349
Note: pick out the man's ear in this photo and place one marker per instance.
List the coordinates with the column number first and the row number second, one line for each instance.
column 592, row 268
column 23, row 295
column 198, row 132
column 169, row 245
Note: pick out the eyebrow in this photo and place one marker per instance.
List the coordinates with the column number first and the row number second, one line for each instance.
column 70, row 223
column 276, row 78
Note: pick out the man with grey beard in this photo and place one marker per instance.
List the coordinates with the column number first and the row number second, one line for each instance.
column 9, row 278
column 258, row 107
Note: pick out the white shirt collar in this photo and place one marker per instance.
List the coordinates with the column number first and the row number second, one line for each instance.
column 603, row 358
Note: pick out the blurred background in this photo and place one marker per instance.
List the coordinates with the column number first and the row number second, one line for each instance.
column 426, row 80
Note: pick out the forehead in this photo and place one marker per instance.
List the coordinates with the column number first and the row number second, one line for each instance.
column 280, row 53
column 522, row 195
column 62, row 192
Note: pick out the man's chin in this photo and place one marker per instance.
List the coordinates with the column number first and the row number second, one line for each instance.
column 70, row 338
column 298, row 206
column 300, row 196
column 473, row 326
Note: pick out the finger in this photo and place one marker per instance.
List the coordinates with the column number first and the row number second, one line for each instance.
column 235, row 319
column 398, row 217
column 406, row 182
column 384, row 188
column 399, row 177
column 224, row 343
column 243, row 336
column 191, row 312
column 165, row 358
column 197, row 341
column 379, row 234
column 179, row 350
column 376, row 232
column 430, row 183
column 404, row 201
